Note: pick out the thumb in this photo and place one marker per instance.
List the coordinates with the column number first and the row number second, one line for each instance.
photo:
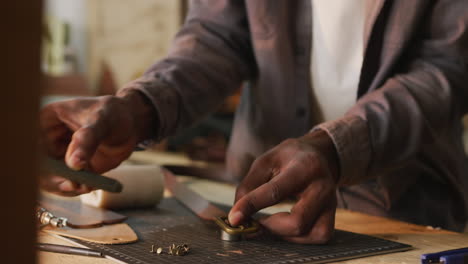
column 83, row 145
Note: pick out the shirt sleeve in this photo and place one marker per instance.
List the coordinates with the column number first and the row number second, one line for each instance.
column 415, row 107
column 209, row 59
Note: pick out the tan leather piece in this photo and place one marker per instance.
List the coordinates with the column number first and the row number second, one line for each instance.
column 107, row 234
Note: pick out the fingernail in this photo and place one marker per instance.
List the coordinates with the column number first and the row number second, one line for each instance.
column 75, row 162
column 235, row 218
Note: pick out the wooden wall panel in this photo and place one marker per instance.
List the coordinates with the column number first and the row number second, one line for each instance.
column 130, row 35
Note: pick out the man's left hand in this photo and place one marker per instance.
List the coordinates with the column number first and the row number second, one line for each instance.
column 307, row 168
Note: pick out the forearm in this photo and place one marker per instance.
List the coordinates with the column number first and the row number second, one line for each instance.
column 421, row 105
column 390, row 126
column 209, row 59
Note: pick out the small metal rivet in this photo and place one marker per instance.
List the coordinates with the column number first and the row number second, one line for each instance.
column 159, row 251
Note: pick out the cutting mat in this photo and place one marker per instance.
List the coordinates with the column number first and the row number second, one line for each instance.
column 173, row 223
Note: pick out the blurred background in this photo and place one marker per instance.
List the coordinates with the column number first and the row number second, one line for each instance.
column 94, row 47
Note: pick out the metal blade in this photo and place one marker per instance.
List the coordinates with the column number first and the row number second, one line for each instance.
column 215, row 173
column 88, row 178
column 196, row 203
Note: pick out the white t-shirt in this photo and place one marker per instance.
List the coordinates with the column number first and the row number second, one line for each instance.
column 337, row 53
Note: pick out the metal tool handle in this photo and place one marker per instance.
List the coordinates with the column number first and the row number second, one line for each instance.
column 69, row 250
column 47, row 218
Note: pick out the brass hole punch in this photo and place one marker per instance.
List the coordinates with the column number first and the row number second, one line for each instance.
column 231, row 233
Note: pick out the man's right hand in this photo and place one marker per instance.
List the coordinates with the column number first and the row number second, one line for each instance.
column 95, row 133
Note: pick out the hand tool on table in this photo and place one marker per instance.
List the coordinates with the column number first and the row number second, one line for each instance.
column 205, row 210
column 69, row 250
column 211, row 172
column 88, row 178
column 59, row 212
column 70, row 218
column 454, row 256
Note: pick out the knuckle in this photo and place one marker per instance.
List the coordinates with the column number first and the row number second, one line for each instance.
column 290, row 141
column 276, row 194
column 275, row 171
column 79, row 136
column 241, row 192
column 257, row 163
column 99, row 117
column 72, row 106
column 322, row 235
column 321, row 186
column 60, row 109
column 261, row 162
column 250, row 203
column 108, row 99
column 83, row 134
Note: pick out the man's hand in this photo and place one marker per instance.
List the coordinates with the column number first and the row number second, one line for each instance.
column 96, row 134
column 306, row 167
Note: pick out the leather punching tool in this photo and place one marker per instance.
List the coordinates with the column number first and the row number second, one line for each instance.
column 207, row 211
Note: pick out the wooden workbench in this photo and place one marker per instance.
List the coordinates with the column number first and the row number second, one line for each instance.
column 423, row 239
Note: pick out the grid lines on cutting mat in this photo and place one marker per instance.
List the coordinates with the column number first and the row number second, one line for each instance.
column 171, row 224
